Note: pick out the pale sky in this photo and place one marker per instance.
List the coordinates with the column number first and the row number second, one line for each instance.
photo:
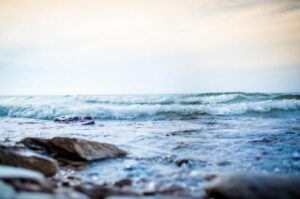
column 149, row 46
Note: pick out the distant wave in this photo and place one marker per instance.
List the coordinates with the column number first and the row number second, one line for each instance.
column 147, row 106
column 162, row 99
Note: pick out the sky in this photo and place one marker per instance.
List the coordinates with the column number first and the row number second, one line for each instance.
column 149, row 46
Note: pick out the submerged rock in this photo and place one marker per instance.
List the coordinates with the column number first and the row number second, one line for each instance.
column 75, row 148
column 181, row 162
column 253, row 186
column 27, row 159
column 86, row 120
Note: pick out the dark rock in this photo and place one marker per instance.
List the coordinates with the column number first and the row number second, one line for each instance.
column 177, row 191
column 59, row 181
column 123, row 182
column 101, row 191
column 181, row 162
column 253, row 186
column 66, row 119
column 86, row 120
column 74, row 148
column 36, row 143
column 27, row 159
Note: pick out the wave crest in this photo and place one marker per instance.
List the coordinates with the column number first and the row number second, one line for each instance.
column 223, row 104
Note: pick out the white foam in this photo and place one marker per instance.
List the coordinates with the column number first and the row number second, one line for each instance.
column 44, row 107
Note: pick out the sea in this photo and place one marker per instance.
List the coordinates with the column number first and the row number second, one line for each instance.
column 170, row 138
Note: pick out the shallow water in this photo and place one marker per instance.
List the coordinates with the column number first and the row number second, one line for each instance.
column 214, row 132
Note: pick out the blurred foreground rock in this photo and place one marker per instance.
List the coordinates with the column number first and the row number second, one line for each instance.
column 27, row 159
column 253, row 186
column 19, row 183
column 23, row 180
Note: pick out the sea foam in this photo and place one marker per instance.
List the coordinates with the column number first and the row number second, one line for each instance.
column 126, row 107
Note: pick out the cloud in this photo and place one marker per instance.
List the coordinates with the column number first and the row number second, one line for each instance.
column 42, row 39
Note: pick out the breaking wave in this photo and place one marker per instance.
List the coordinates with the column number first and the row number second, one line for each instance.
column 129, row 107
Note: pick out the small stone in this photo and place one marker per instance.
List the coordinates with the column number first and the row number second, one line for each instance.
column 181, row 162
column 123, row 182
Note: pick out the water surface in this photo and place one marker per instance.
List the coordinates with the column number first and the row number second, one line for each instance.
column 220, row 132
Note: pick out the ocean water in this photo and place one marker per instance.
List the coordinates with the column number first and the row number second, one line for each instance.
column 213, row 132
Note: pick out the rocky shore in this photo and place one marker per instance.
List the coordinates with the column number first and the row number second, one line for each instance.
column 36, row 168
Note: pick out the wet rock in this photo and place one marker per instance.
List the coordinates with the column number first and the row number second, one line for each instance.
column 36, row 143
column 74, row 148
column 175, row 191
column 86, row 120
column 60, row 181
column 64, row 195
column 84, row 149
column 27, row 159
column 183, row 132
column 23, row 179
column 92, row 122
column 101, row 191
column 253, row 186
column 181, row 162
column 123, row 182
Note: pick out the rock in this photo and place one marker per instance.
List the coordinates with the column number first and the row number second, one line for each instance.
column 88, row 123
column 85, row 150
column 23, row 179
column 8, row 172
column 86, row 120
column 64, row 195
column 253, row 186
column 123, row 182
column 75, row 148
column 27, row 159
column 101, row 191
column 181, row 162
column 60, row 181
column 36, row 143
